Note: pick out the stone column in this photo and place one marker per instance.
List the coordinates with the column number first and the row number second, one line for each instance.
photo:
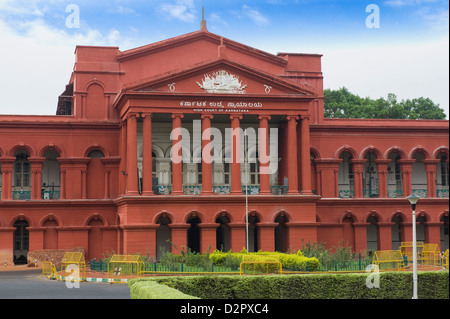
column 147, row 169
column 36, row 177
column 206, row 155
column 382, row 177
column 264, row 155
column 7, row 170
column 305, row 145
column 132, row 172
column 235, row 155
column 430, row 169
column 177, row 156
column 292, row 154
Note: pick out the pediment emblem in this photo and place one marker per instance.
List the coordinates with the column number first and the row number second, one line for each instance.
column 222, row 82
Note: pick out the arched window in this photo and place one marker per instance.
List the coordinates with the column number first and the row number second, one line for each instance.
column 442, row 176
column 394, row 179
column 223, row 233
column 345, row 176
column 193, row 234
column 22, row 176
column 51, row 176
column 370, row 176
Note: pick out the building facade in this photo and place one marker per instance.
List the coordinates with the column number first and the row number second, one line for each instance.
column 198, row 141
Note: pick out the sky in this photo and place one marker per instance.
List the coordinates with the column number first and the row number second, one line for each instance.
column 372, row 48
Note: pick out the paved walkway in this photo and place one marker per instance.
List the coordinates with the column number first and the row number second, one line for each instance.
column 28, row 284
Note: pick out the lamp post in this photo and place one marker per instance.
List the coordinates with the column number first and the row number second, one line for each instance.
column 413, row 200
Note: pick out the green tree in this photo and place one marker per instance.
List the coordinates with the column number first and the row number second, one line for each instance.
column 344, row 104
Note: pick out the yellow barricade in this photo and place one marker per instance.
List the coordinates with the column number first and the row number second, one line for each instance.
column 74, row 265
column 389, row 259
column 431, row 255
column 406, row 248
column 49, row 270
column 445, row 261
column 259, row 264
column 124, row 267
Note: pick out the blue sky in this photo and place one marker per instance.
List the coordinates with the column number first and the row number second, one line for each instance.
column 407, row 55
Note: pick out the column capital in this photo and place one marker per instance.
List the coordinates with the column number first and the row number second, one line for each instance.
column 292, row 117
column 146, row 115
column 177, row 115
column 131, row 115
column 264, row 117
column 236, row 116
column 207, row 116
column 306, row 117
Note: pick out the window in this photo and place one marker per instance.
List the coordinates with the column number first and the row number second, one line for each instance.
column 22, row 171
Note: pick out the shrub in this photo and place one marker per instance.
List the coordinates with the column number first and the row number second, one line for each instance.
column 294, row 261
column 393, row 285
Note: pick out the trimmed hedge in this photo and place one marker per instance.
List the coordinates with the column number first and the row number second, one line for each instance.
column 393, row 285
column 294, row 261
column 150, row 289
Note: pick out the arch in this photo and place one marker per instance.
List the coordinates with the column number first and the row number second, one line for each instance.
column 50, row 217
column 374, row 214
column 94, row 82
column 315, row 153
column 96, row 147
column 397, row 150
column 223, row 213
column 439, row 150
column 425, row 215
column 281, row 213
column 159, row 152
column 399, row 214
column 17, row 148
column 255, row 214
column 445, row 213
column 164, row 214
column 346, row 148
column 419, row 149
column 192, row 214
column 185, row 153
column 21, row 217
column 372, row 149
column 2, row 151
column 347, row 214
column 51, row 147
column 96, row 216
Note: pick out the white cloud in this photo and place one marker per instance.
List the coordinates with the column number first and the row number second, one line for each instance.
column 37, row 63
column 254, row 15
column 182, row 10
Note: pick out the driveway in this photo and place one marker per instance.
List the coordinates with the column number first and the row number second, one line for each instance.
column 28, row 284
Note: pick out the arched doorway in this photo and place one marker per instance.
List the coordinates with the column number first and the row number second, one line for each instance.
column 193, row 234
column 397, row 231
column 281, row 233
column 372, row 233
column 444, row 232
column 348, row 232
column 95, row 238
column 163, row 236
column 223, row 233
column 253, row 243
column 21, row 239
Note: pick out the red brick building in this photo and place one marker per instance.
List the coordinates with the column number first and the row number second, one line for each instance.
column 100, row 173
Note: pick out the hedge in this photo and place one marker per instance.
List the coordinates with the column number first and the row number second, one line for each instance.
column 294, row 261
column 393, row 285
column 150, row 289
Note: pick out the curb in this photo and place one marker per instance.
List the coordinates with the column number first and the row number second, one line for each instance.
column 100, row 280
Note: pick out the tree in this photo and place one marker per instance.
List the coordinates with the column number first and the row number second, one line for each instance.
column 344, row 104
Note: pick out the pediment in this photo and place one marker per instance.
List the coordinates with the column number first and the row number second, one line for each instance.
column 221, row 77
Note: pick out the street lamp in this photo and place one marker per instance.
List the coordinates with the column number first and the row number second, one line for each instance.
column 413, row 200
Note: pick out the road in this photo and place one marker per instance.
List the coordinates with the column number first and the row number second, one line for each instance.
column 28, row 284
